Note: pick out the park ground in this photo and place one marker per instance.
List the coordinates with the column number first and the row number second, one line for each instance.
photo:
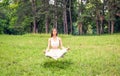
column 89, row 55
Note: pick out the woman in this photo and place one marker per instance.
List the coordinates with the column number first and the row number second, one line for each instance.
column 54, row 44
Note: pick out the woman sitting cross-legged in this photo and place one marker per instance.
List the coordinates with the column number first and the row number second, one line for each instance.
column 54, row 44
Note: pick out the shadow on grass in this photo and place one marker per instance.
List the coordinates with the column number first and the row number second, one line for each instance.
column 58, row 64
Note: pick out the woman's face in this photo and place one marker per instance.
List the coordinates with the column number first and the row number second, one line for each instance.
column 54, row 32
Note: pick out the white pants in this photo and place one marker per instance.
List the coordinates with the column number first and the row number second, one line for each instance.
column 55, row 53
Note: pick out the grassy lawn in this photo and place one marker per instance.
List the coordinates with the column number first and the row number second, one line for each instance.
column 22, row 55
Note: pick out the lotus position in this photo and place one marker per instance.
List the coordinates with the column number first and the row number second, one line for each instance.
column 55, row 48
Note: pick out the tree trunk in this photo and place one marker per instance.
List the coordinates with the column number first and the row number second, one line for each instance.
column 97, row 26
column 70, row 17
column 55, row 14
column 101, row 27
column 34, row 25
column 65, row 17
column 46, row 23
column 34, row 16
column 64, row 24
column 101, row 24
column 103, row 14
column 109, row 27
column 80, row 11
column 112, row 27
column 55, row 22
column 80, row 31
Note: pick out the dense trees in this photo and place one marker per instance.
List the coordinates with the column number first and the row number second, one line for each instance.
column 68, row 16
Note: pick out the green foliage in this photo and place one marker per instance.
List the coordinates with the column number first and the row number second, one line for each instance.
column 16, row 30
column 26, row 24
column 117, row 28
column 18, row 14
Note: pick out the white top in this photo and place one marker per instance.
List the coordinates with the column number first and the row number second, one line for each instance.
column 54, row 43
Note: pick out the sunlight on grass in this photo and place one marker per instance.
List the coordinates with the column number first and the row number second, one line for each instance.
column 22, row 55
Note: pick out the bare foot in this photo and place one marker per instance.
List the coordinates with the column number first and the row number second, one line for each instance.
column 68, row 49
column 45, row 51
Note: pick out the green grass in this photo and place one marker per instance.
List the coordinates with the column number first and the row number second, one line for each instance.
column 22, row 55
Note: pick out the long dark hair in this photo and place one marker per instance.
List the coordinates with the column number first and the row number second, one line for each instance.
column 52, row 32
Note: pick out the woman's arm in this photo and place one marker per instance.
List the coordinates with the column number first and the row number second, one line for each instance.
column 48, row 47
column 61, row 45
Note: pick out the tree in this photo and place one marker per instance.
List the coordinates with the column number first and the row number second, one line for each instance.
column 68, row 16
column 82, row 14
column 65, row 23
column 35, row 29
column 112, row 12
column 71, row 29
